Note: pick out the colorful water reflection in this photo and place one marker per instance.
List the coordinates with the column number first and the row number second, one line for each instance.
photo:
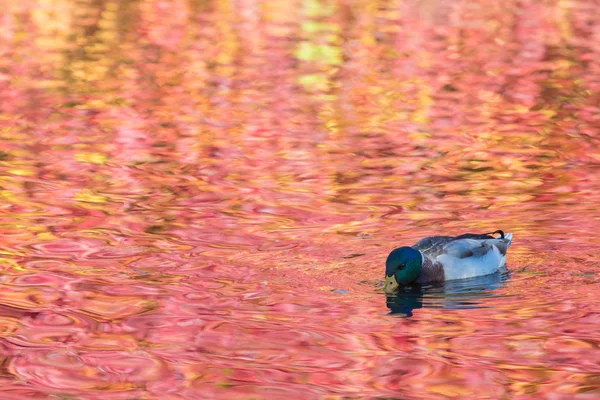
column 198, row 198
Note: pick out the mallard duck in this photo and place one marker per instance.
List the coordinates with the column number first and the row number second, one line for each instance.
column 444, row 258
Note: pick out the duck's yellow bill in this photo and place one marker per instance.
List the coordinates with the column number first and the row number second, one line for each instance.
column 391, row 285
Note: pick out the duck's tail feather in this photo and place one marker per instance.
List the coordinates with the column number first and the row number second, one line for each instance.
column 508, row 237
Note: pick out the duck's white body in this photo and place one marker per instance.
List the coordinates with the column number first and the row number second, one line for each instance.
column 448, row 258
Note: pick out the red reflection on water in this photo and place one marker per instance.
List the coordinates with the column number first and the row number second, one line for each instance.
column 198, row 198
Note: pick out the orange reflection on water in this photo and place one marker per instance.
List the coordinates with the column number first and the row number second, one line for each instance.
column 197, row 198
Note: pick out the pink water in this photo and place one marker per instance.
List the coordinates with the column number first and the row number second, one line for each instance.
column 197, row 198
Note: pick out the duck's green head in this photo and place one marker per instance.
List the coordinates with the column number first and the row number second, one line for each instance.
column 402, row 267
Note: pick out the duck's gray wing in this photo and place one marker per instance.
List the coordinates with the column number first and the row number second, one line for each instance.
column 470, row 247
column 433, row 246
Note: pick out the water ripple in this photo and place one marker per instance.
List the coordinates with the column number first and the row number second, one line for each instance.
column 198, row 198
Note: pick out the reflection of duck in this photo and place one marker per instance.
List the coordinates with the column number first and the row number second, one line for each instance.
column 405, row 301
column 445, row 258
column 458, row 294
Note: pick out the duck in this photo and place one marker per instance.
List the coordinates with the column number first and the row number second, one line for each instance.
column 444, row 258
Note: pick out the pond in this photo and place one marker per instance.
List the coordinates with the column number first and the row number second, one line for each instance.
column 198, row 198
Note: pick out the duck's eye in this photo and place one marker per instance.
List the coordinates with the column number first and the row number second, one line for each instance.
column 401, row 266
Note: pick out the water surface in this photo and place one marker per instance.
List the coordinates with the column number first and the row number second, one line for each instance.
column 198, row 198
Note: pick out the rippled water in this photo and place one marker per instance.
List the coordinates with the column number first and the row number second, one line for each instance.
column 198, row 198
